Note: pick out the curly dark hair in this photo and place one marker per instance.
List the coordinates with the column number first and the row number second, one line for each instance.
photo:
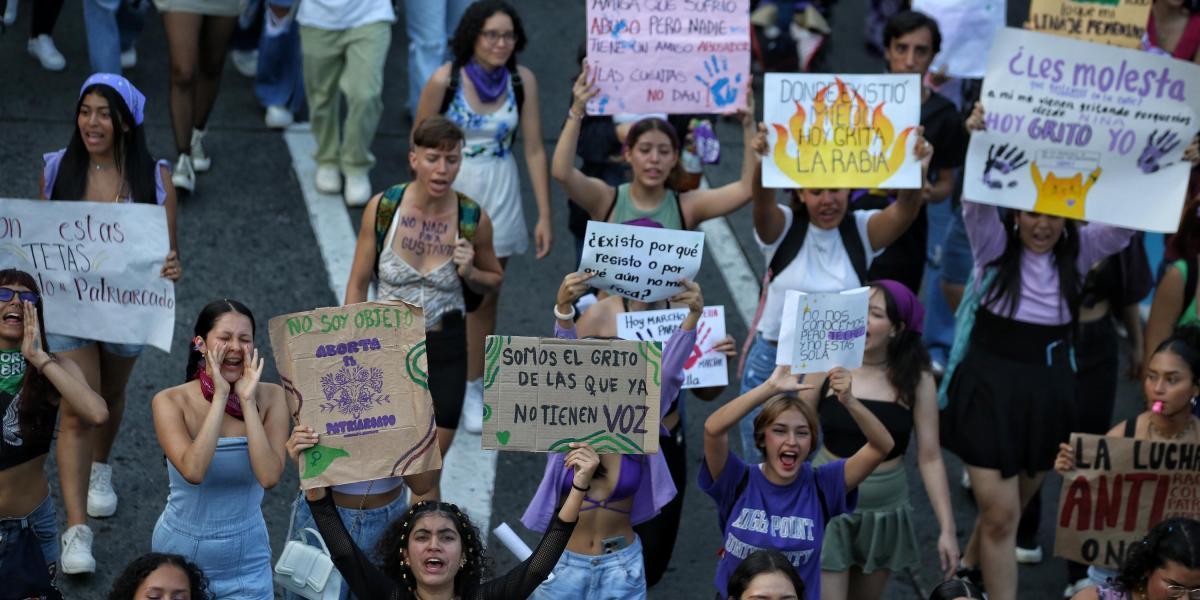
column 1176, row 540
column 462, row 44
column 137, row 571
column 907, row 358
column 393, row 547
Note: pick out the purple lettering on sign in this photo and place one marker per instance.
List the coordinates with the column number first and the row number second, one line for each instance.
column 848, row 334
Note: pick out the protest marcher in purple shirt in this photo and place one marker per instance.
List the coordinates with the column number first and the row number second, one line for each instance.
column 784, row 503
column 628, row 490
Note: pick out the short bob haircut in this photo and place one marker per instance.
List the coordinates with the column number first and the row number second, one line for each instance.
column 908, row 21
column 437, row 132
column 776, row 406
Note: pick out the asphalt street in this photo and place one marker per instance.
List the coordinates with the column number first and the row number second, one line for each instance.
column 246, row 234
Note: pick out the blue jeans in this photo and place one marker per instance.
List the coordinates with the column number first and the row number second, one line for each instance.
column 280, row 79
column 112, row 27
column 617, row 576
column 41, row 521
column 66, row 343
column 430, row 25
column 366, row 527
column 760, row 363
column 939, row 319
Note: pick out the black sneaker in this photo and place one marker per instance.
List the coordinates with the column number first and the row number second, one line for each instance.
column 972, row 575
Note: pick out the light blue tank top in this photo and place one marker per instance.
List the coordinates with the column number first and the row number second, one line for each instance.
column 228, row 501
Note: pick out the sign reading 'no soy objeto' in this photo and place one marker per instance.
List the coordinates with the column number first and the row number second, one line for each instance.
column 540, row 395
column 640, row 263
column 357, row 375
column 97, row 265
column 672, row 56
column 1119, row 489
column 1084, row 131
column 842, row 131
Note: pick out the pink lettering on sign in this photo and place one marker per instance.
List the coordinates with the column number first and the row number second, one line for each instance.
column 672, row 56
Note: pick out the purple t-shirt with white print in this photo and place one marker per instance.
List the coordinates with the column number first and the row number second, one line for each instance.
column 786, row 518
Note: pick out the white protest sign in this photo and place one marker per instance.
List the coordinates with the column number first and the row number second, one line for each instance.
column 842, row 131
column 823, row 331
column 640, row 263
column 97, row 264
column 968, row 28
column 1084, row 131
column 704, row 367
column 668, row 56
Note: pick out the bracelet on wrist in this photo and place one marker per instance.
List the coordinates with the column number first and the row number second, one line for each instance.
column 582, row 489
column 574, row 114
column 567, row 317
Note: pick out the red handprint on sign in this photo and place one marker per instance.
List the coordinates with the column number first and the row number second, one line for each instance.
column 697, row 350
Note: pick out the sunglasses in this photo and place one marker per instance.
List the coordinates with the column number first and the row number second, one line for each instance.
column 7, row 294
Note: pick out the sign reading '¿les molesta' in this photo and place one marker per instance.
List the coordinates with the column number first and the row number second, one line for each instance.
column 540, row 395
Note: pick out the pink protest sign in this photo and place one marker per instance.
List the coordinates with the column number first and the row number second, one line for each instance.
column 672, row 56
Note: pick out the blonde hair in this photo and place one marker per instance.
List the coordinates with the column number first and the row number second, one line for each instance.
column 777, row 405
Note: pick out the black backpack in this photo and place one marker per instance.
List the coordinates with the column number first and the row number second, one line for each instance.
column 456, row 81
column 793, row 240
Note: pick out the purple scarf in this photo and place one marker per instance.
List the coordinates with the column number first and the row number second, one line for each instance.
column 488, row 85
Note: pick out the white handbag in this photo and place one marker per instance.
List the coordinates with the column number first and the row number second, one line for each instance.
column 308, row 571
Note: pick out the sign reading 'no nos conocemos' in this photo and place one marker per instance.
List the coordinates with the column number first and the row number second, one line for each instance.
column 542, row 394
column 672, row 56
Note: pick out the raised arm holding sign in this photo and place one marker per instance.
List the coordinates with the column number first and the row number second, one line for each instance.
column 640, row 263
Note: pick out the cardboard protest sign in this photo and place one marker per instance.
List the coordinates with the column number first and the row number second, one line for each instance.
column 669, row 56
column 542, row 394
column 842, row 131
column 640, row 263
column 1084, row 131
column 357, row 375
column 823, row 331
column 1120, row 488
column 1115, row 22
column 704, row 367
column 968, row 28
column 97, row 264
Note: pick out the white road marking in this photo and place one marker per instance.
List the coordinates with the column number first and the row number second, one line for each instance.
column 721, row 243
column 468, row 472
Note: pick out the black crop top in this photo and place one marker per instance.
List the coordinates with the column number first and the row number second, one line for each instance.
column 15, row 449
column 843, row 437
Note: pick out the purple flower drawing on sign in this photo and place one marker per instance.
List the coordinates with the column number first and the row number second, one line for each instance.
column 352, row 390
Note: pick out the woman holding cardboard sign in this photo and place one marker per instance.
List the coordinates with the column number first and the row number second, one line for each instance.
column 627, row 490
column 33, row 386
column 1012, row 396
column 106, row 160
column 223, row 434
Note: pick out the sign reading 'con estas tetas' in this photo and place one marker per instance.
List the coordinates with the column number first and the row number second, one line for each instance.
column 97, row 264
column 357, row 375
column 1119, row 489
column 841, row 131
column 542, row 394
column 1084, row 131
column 669, row 56
column 640, row 263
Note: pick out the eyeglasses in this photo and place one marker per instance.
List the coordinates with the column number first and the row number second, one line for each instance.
column 1178, row 591
column 495, row 36
column 7, row 294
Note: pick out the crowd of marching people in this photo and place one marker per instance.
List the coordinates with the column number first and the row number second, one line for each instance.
column 806, row 472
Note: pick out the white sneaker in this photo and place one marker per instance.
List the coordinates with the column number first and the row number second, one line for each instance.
column 278, row 117
column 129, row 58
column 472, row 412
column 184, row 176
column 965, row 482
column 358, row 190
column 328, row 179
column 1029, row 556
column 76, row 557
column 245, row 61
column 42, row 48
column 1078, row 586
column 10, row 13
column 200, row 159
column 102, row 498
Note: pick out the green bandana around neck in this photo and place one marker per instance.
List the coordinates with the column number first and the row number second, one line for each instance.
column 12, row 371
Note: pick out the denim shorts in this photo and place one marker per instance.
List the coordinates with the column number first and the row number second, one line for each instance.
column 366, row 527
column 42, row 522
column 66, row 343
column 617, row 576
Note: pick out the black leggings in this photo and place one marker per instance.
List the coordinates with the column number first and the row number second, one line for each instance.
column 45, row 15
column 658, row 534
column 446, row 356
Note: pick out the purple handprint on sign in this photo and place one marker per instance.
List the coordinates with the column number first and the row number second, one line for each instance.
column 1002, row 160
column 1155, row 150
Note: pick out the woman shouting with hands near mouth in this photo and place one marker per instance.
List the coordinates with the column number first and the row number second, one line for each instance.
column 223, row 434
column 784, row 503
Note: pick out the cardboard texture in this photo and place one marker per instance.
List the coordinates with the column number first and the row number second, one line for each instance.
column 1114, row 22
column 1120, row 488
column 542, row 394
column 357, row 375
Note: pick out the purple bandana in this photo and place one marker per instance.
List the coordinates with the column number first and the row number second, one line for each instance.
column 134, row 100
column 488, row 85
column 912, row 314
